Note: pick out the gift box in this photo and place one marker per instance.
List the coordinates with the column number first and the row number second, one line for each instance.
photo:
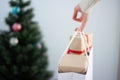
column 76, row 58
column 77, row 45
column 73, row 63
column 76, row 76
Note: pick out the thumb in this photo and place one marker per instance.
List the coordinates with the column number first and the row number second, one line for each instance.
column 75, row 14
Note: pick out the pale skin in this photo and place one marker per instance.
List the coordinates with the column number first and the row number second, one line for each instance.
column 83, row 19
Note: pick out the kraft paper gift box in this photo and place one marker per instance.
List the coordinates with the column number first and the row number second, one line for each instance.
column 74, row 63
column 78, row 44
column 75, row 59
column 76, row 76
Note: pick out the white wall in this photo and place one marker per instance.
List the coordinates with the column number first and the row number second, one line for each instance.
column 55, row 18
column 119, row 47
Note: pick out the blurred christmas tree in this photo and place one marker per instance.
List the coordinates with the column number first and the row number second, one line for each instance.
column 22, row 51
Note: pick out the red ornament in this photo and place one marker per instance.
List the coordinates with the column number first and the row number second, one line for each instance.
column 16, row 27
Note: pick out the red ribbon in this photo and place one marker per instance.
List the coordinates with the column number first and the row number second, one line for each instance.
column 78, row 52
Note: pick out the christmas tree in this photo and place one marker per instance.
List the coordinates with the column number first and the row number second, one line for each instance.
column 22, row 50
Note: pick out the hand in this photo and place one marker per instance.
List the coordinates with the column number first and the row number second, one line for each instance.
column 83, row 18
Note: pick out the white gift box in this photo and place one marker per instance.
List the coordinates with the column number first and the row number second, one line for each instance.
column 76, row 76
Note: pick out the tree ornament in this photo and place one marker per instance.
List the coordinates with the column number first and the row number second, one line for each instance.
column 14, row 41
column 16, row 27
column 15, row 10
column 39, row 45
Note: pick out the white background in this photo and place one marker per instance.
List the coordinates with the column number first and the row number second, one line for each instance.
column 55, row 19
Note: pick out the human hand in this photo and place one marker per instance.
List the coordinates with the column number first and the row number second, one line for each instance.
column 83, row 18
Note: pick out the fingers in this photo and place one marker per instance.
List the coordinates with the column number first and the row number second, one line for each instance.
column 79, row 19
column 85, row 18
column 84, row 21
column 75, row 14
column 76, row 29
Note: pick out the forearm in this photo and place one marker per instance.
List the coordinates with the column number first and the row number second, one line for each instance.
column 86, row 5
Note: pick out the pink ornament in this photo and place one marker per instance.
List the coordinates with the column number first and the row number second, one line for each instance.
column 16, row 27
column 39, row 46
